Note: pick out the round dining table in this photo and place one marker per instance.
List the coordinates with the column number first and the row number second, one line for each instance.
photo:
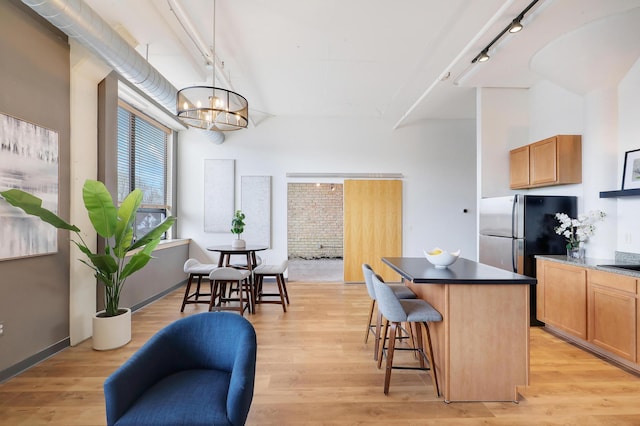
column 226, row 251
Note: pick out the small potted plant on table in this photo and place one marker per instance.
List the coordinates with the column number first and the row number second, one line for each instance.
column 237, row 228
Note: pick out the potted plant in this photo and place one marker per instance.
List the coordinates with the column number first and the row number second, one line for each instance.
column 114, row 266
column 237, row 227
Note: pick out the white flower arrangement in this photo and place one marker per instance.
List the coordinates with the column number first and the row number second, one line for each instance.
column 578, row 230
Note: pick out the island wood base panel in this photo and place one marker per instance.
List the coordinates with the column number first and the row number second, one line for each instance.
column 481, row 348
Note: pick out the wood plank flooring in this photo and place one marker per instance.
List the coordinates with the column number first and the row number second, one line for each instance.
column 314, row 369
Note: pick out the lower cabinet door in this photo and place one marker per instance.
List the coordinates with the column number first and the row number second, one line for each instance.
column 612, row 321
column 565, row 298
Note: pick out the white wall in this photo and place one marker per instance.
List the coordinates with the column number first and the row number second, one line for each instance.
column 503, row 124
column 599, row 167
column 86, row 72
column 437, row 159
column 554, row 111
column 628, row 232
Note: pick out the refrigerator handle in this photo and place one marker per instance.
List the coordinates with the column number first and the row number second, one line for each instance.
column 514, row 255
column 514, row 219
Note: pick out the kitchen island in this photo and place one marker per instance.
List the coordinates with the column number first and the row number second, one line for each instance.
column 481, row 346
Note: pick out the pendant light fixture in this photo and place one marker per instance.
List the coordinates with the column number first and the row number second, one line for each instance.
column 212, row 108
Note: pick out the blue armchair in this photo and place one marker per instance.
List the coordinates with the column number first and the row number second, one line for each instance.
column 199, row 370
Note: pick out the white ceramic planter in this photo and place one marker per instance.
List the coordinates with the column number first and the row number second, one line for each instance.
column 237, row 243
column 111, row 332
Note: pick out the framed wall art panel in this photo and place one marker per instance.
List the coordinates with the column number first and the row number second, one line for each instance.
column 28, row 161
column 631, row 171
column 256, row 205
column 219, row 195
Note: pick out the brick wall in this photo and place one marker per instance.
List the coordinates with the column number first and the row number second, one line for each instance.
column 314, row 220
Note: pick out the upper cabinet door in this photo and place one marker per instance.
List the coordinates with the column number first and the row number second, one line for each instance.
column 543, row 162
column 519, row 167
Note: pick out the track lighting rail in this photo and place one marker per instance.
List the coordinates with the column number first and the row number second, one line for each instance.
column 513, row 27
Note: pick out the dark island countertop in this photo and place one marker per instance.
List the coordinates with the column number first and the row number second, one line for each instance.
column 463, row 271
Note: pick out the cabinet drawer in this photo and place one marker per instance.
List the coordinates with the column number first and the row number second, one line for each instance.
column 613, row 281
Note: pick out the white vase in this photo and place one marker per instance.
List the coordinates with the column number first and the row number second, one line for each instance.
column 238, row 243
column 111, row 332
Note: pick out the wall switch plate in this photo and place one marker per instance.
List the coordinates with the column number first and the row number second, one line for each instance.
column 1, row 328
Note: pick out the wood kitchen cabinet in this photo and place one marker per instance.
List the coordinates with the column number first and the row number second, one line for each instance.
column 553, row 161
column 596, row 309
column 519, row 169
column 612, row 313
column 564, row 297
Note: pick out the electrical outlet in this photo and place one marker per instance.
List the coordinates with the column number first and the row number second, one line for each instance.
column 1, row 328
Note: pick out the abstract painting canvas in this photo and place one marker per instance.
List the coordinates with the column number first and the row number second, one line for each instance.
column 28, row 161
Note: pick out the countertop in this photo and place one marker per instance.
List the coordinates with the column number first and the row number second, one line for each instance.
column 463, row 271
column 592, row 263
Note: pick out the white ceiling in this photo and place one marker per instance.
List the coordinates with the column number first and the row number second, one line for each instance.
column 375, row 58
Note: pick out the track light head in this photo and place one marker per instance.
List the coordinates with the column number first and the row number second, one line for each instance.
column 482, row 56
column 516, row 25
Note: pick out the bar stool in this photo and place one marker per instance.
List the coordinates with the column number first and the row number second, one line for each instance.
column 276, row 271
column 418, row 313
column 400, row 290
column 197, row 270
column 220, row 278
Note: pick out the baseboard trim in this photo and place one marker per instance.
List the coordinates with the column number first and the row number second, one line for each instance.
column 52, row 350
column 600, row 353
column 155, row 297
column 33, row 360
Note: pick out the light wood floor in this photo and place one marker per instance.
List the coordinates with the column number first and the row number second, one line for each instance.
column 313, row 368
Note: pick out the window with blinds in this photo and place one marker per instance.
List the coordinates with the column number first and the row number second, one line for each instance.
column 143, row 145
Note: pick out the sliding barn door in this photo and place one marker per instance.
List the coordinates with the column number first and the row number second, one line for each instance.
column 372, row 226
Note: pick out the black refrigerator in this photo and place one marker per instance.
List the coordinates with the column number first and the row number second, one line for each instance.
column 515, row 228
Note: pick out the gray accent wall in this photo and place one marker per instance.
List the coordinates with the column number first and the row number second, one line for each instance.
column 35, row 87
column 163, row 273
column 35, row 292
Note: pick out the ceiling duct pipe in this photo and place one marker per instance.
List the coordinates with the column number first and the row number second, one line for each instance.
column 76, row 19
